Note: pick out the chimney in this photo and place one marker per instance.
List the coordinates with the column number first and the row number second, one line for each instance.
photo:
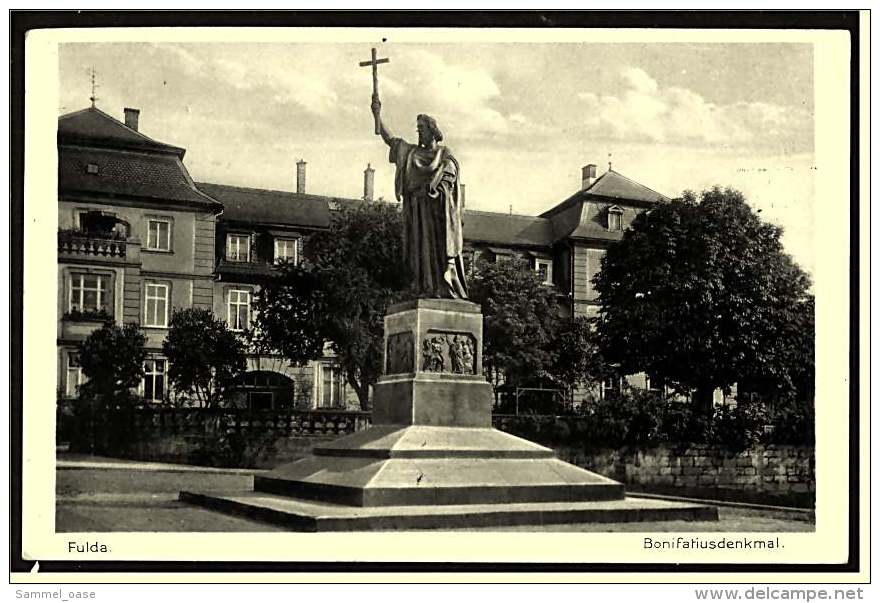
column 131, row 118
column 301, row 176
column 368, row 183
column 588, row 176
column 461, row 196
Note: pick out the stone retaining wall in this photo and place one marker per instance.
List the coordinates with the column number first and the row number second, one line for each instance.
column 257, row 453
column 781, row 474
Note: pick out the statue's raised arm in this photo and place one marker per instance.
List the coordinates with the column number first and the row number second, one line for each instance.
column 373, row 64
column 381, row 130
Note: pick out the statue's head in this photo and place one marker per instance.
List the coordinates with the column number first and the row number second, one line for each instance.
column 428, row 130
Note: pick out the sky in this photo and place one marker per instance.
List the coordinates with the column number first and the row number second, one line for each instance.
column 522, row 118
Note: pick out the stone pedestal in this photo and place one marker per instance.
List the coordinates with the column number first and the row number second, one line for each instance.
column 432, row 459
column 433, row 366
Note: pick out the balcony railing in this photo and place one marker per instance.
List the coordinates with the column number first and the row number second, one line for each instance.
column 88, row 243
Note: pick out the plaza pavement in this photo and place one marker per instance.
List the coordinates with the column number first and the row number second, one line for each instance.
column 95, row 494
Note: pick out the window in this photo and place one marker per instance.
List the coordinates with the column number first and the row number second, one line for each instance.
column 330, row 387
column 615, row 215
column 239, row 310
column 285, row 249
column 97, row 222
column 154, row 380
column 544, row 268
column 89, row 293
column 156, row 306
column 75, row 376
column 238, row 248
column 610, row 387
column 258, row 401
column 654, row 384
column 159, row 235
column 265, row 390
column 101, row 223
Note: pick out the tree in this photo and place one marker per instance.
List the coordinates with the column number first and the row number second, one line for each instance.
column 112, row 358
column 204, row 356
column 578, row 361
column 338, row 295
column 796, row 349
column 520, row 319
column 700, row 293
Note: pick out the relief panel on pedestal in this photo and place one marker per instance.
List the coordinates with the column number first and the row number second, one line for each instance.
column 400, row 354
column 449, row 353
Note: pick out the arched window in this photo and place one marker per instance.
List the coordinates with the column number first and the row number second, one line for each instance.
column 265, row 390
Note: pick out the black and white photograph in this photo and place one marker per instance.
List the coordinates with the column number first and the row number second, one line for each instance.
column 575, row 286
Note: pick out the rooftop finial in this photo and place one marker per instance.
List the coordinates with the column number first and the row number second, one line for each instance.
column 609, row 162
column 93, row 97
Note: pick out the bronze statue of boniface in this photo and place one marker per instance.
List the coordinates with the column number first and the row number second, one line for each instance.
column 427, row 184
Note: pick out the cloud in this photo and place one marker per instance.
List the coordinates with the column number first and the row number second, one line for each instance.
column 306, row 80
column 646, row 112
column 639, row 80
column 467, row 98
column 319, row 82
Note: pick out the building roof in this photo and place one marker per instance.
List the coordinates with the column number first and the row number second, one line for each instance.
column 591, row 230
column 261, row 206
column 569, row 217
column 127, row 174
column 99, row 155
column 614, row 185
column 507, row 229
column 92, row 125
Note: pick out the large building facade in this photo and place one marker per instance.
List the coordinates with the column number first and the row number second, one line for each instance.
column 139, row 238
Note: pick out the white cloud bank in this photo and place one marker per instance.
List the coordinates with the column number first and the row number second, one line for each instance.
column 464, row 97
column 646, row 112
column 314, row 89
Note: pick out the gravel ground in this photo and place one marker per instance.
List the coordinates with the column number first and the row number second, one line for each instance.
column 143, row 498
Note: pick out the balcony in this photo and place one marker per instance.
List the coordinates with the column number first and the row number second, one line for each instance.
column 76, row 325
column 75, row 242
column 254, row 271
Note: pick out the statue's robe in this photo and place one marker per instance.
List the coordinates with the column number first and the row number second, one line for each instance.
column 427, row 184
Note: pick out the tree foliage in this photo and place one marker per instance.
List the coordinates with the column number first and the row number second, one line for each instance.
column 204, row 356
column 644, row 419
column 577, row 359
column 520, row 322
column 112, row 358
column 700, row 293
column 338, row 295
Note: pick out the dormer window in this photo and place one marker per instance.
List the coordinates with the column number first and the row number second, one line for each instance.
column 544, row 268
column 615, row 218
column 542, row 263
column 501, row 255
column 238, row 248
column 91, row 168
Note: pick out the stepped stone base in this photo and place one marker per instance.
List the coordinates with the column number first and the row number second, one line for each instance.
column 397, row 477
column 314, row 516
column 393, row 465
column 432, row 459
